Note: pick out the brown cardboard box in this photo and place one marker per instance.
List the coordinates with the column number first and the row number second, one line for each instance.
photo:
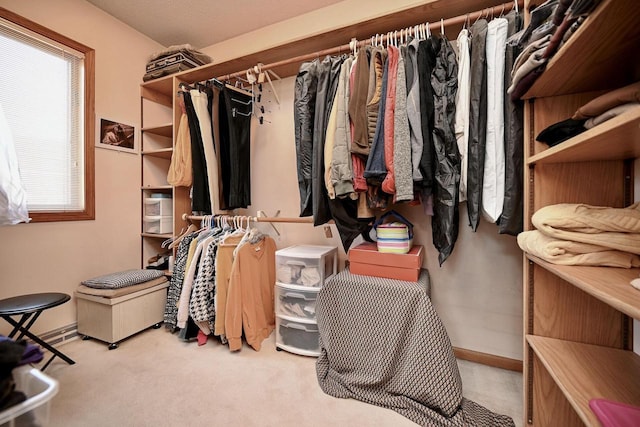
column 365, row 260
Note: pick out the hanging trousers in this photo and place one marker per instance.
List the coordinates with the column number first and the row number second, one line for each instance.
column 477, row 121
column 200, row 190
column 511, row 220
column 304, row 106
column 201, row 105
column 235, row 137
column 328, row 77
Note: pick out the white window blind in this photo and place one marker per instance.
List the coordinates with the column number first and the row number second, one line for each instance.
column 42, row 94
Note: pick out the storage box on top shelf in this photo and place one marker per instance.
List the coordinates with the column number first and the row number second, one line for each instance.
column 366, row 260
column 306, row 265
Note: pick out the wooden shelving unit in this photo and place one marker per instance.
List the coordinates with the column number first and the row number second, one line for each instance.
column 612, row 374
column 164, row 153
column 578, row 320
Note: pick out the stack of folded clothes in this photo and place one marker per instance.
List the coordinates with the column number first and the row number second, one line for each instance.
column 579, row 234
column 173, row 60
column 593, row 113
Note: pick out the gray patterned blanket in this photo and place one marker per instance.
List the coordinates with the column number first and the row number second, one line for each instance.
column 383, row 343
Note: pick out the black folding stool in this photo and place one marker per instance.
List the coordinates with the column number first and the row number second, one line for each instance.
column 29, row 307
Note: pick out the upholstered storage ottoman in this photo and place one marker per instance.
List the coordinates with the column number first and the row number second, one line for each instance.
column 111, row 315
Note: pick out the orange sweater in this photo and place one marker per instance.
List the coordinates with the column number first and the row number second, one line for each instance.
column 250, row 297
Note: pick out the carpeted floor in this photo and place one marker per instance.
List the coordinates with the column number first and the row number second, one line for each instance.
column 154, row 379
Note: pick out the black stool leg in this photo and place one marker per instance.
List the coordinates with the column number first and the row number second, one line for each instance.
column 29, row 325
column 18, row 325
column 39, row 341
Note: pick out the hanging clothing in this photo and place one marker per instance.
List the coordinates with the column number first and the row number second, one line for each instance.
column 376, row 169
column 13, row 200
column 374, row 93
column 477, row 121
column 493, row 180
column 462, row 107
column 214, row 98
column 223, row 267
column 402, row 170
column 444, row 81
column 329, row 143
column 235, row 137
column 304, row 105
column 200, row 190
column 358, row 103
column 201, row 303
column 175, row 285
column 341, row 175
column 329, row 72
column 200, row 103
column 413, row 108
column 250, row 300
column 426, row 62
column 511, row 220
column 393, row 54
column 180, row 173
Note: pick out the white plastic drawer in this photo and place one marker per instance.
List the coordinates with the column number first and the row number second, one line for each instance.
column 306, row 265
column 158, row 206
column 296, row 301
column 297, row 336
column 158, row 224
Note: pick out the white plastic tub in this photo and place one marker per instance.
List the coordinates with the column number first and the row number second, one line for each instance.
column 39, row 389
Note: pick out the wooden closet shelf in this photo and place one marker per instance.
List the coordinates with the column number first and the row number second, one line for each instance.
column 608, row 284
column 163, row 153
column 590, row 60
column 157, row 236
column 585, row 371
column 156, row 187
column 615, row 139
column 162, row 130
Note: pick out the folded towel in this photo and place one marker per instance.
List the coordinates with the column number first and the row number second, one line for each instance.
column 614, row 228
column 566, row 252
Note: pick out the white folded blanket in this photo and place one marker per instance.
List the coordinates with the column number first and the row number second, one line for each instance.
column 614, row 228
column 566, row 252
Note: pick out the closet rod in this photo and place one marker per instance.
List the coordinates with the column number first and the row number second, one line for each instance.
column 456, row 20
column 303, row 220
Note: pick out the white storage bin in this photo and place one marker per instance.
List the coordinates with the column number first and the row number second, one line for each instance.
column 39, row 389
column 158, row 224
column 158, row 207
column 297, row 336
column 296, row 301
column 306, row 265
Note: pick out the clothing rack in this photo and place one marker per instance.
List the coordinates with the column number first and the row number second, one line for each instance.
column 456, row 20
column 291, row 220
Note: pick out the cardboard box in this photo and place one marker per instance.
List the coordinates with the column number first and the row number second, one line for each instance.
column 365, row 260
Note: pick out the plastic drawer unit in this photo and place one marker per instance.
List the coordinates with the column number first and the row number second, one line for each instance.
column 154, row 206
column 297, row 336
column 306, row 265
column 39, row 389
column 296, row 301
column 158, row 224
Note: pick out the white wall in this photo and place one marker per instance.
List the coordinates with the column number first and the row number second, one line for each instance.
column 55, row 257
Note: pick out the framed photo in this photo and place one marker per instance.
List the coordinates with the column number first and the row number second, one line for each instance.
column 116, row 136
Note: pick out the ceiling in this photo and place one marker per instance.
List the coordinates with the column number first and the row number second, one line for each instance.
column 202, row 23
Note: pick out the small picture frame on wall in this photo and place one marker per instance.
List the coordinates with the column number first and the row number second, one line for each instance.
column 117, row 136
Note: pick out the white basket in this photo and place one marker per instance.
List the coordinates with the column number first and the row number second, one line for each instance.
column 39, row 389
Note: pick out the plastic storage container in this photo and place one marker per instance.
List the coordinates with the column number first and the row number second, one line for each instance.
column 158, row 207
column 158, row 224
column 296, row 301
column 306, row 265
column 39, row 389
column 297, row 336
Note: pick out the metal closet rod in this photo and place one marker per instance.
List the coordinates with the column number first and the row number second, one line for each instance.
column 456, row 20
column 293, row 220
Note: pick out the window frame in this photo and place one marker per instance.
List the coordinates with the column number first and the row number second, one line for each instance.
column 88, row 213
